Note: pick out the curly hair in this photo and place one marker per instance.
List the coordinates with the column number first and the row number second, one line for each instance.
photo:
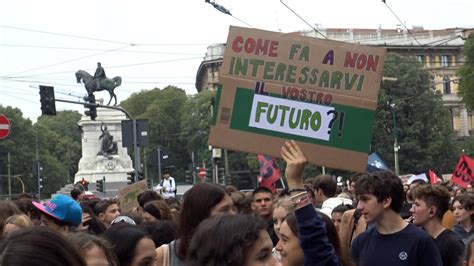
column 224, row 240
column 437, row 196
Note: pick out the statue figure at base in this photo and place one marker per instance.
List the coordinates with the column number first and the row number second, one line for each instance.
column 108, row 146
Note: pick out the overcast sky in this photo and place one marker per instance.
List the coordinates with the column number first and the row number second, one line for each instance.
column 157, row 43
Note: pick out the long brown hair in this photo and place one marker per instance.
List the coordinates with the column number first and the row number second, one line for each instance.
column 331, row 233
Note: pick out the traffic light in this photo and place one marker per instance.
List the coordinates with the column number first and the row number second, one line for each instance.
column 131, row 177
column 38, row 175
column 188, row 176
column 209, row 175
column 85, row 184
column 48, row 105
column 221, row 175
column 100, row 185
column 92, row 112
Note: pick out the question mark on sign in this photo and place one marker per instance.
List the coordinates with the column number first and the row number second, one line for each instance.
column 341, row 124
column 334, row 117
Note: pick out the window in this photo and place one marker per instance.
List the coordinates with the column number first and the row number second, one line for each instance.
column 445, row 60
column 446, row 85
column 421, row 59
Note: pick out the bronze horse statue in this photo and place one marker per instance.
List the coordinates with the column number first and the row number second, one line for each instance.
column 104, row 84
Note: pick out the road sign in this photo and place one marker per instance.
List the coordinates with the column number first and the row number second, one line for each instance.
column 202, row 172
column 4, row 127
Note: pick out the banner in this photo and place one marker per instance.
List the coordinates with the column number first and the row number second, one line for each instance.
column 127, row 196
column 376, row 163
column 269, row 172
column 433, row 177
column 320, row 93
column 462, row 175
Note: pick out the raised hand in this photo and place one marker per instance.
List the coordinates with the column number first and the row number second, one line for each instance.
column 295, row 163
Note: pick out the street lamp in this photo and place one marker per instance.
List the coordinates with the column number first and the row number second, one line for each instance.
column 396, row 147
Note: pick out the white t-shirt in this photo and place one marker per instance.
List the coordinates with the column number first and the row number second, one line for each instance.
column 169, row 186
column 331, row 203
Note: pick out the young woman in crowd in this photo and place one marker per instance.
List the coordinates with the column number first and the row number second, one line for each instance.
column 231, row 240
column 156, row 210
column 7, row 209
column 313, row 240
column 95, row 250
column 200, row 202
column 39, row 246
column 289, row 244
column 131, row 244
column 16, row 222
column 282, row 207
column 463, row 210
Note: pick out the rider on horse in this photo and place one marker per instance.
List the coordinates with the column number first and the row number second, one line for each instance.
column 99, row 74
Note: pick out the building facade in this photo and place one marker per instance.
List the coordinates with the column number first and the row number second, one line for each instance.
column 439, row 51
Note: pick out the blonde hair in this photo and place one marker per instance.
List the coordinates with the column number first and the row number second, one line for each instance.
column 19, row 220
column 285, row 203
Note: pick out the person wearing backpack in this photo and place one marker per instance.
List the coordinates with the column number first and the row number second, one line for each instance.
column 167, row 186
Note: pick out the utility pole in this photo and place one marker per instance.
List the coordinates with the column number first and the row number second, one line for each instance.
column 9, row 175
column 396, row 147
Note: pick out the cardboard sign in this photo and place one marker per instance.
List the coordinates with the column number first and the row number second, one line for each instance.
column 276, row 87
column 128, row 195
column 463, row 174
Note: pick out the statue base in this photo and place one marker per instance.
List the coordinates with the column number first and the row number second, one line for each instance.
column 93, row 167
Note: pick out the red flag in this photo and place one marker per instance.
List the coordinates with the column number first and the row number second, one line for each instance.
column 464, row 171
column 269, row 172
column 433, row 177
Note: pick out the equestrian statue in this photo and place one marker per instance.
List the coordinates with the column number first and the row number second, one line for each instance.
column 99, row 82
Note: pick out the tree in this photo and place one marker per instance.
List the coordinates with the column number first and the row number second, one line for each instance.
column 466, row 73
column 163, row 109
column 423, row 124
column 60, row 148
column 20, row 145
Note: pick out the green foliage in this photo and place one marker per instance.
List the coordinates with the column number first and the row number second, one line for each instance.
column 466, row 73
column 59, row 149
column 423, row 124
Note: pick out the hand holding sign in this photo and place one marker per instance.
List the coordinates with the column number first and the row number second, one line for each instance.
column 295, row 163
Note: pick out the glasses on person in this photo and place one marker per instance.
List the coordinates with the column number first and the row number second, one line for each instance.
column 123, row 219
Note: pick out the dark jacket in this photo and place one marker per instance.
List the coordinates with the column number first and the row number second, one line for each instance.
column 313, row 239
column 463, row 234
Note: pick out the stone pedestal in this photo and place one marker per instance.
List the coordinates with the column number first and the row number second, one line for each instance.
column 93, row 167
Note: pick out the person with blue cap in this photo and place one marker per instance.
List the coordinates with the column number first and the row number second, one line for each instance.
column 61, row 213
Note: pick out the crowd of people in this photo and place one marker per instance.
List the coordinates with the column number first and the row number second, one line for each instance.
column 376, row 220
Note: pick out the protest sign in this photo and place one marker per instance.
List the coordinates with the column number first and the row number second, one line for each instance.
column 320, row 93
column 464, row 171
column 128, row 195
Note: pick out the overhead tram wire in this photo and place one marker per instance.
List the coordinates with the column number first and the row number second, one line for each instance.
column 311, row 26
column 67, row 61
column 108, row 67
column 66, row 35
column 91, row 49
column 384, row 1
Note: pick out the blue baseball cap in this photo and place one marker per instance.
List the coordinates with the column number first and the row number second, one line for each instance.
column 63, row 208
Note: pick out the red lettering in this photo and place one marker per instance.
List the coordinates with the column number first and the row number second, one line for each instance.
column 273, row 47
column 361, row 61
column 294, row 93
column 236, row 44
column 262, row 46
column 249, row 45
column 286, row 91
column 319, row 98
column 256, row 47
column 350, row 59
column 327, row 99
column 372, row 63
